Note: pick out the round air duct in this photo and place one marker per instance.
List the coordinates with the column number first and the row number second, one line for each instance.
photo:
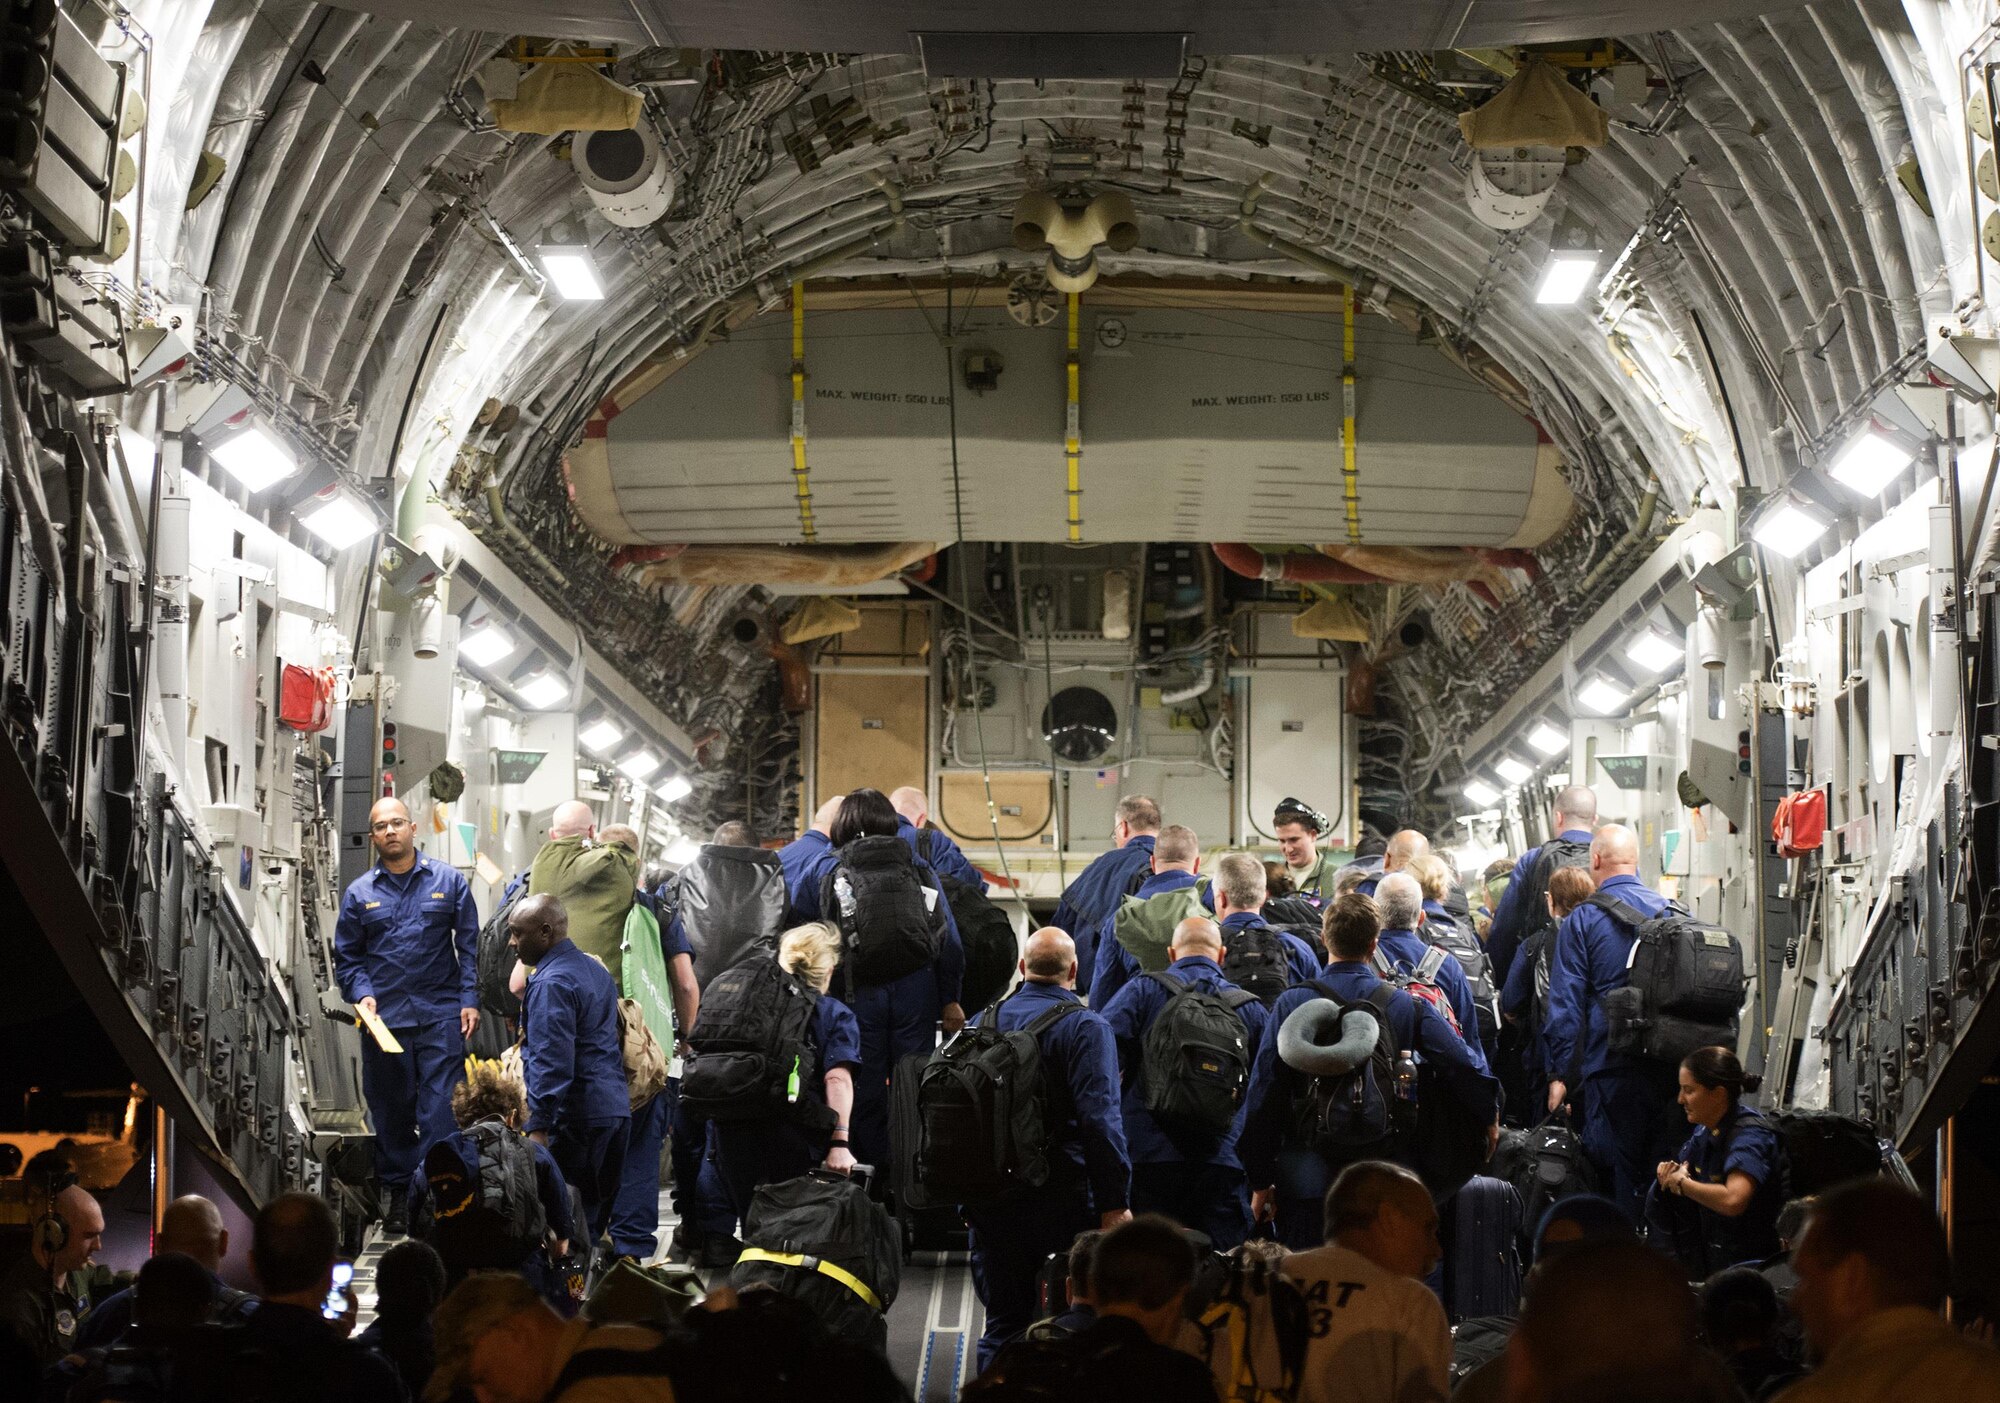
column 1510, row 189
column 625, row 174
column 1080, row 724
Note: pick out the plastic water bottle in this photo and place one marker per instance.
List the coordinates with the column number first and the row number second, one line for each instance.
column 1406, row 1076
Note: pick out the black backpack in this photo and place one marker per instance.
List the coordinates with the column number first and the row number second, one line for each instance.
column 125, row 1373
column 496, row 960
column 1196, row 1061
column 985, row 1110
column 1296, row 914
column 1684, row 984
column 1822, row 1149
column 1552, row 855
column 822, row 1240
column 752, row 1051
column 877, row 899
column 489, row 1212
column 1457, row 939
column 1545, row 1164
column 1357, row 1115
column 991, row 949
column 1253, row 959
column 731, row 903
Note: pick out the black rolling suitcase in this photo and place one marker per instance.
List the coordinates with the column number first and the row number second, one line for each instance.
column 927, row 1226
column 1482, row 1258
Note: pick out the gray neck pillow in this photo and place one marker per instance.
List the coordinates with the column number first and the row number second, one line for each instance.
column 1321, row 1041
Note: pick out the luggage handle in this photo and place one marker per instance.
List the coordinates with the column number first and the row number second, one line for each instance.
column 861, row 1174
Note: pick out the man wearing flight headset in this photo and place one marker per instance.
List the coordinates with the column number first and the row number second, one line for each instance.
column 43, row 1295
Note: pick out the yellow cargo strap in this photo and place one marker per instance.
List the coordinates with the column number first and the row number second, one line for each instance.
column 1351, row 490
column 799, row 1259
column 803, row 486
column 1073, row 434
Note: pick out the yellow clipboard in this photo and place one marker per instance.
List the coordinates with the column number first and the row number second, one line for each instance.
column 378, row 1030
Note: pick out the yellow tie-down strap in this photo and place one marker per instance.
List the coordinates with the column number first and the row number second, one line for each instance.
column 799, row 1259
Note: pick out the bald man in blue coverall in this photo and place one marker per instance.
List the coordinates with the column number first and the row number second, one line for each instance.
column 1629, row 1120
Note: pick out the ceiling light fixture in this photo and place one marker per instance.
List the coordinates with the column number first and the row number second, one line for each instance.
column 543, row 691
column 336, row 518
column 1512, row 770
column 1566, row 275
column 1548, row 740
column 251, row 454
column 682, row 851
column 572, row 271
column 486, row 644
column 1653, row 652
column 1871, row 460
column 601, row 734
column 638, row 765
column 1789, row 528
column 675, row 789
column 1480, row 793
column 1603, row 696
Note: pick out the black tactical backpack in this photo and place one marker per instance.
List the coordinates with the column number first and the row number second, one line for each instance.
column 984, row 1107
column 752, row 1052
column 991, row 947
column 1253, row 959
column 1355, row 1115
column 886, row 915
column 1196, row 1057
column 1457, row 940
column 1683, row 988
column 493, row 1204
column 731, row 903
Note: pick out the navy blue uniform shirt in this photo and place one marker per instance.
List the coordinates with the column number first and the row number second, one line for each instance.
column 410, row 942
column 571, row 1057
column 836, row 1039
column 1743, row 1142
column 1302, row 960
column 1080, row 1070
column 1511, row 920
column 1405, row 950
column 1588, row 962
column 1095, row 894
column 1267, row 1113
column 1115, row 964
column 1130, row 1013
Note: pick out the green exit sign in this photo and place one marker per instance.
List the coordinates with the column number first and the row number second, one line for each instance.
column 1626, row 771
column 516, row 765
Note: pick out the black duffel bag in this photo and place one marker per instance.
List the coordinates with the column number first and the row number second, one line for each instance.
column 821, row 1239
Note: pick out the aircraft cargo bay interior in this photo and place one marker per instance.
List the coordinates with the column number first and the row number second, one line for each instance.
column 894, row 700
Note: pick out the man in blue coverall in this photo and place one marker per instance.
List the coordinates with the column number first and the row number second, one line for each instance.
column 406, row 948
column 932, row 845
column 806, row 858
column 1176, row 859
column 1290, row 1178
column 1197, row 1185
column 1629, row 1118
column 1239, row 894
column 1089, row 1171
column 1521, row 911
column 572, row 1057
column 1089, row 900
column 1401, row 903
column 1405, row 846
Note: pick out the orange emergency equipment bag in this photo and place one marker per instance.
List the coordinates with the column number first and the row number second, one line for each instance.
column 305, row 697
column 1799, row 826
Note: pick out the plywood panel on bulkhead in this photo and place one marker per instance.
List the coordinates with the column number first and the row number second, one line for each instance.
column 872, row 732
column 1021, row 796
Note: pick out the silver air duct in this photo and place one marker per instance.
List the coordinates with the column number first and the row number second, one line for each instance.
column 625, row 174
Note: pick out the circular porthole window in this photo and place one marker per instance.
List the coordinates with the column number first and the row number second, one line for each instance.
column 1080, row 724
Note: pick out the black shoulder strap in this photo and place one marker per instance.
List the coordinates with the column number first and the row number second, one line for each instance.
column 652, row 1363
column 1054, row 1016
column 925, row 848
column 1236, row 998
column 1622, row 912
column 1382, row 998
column 1173, row 984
